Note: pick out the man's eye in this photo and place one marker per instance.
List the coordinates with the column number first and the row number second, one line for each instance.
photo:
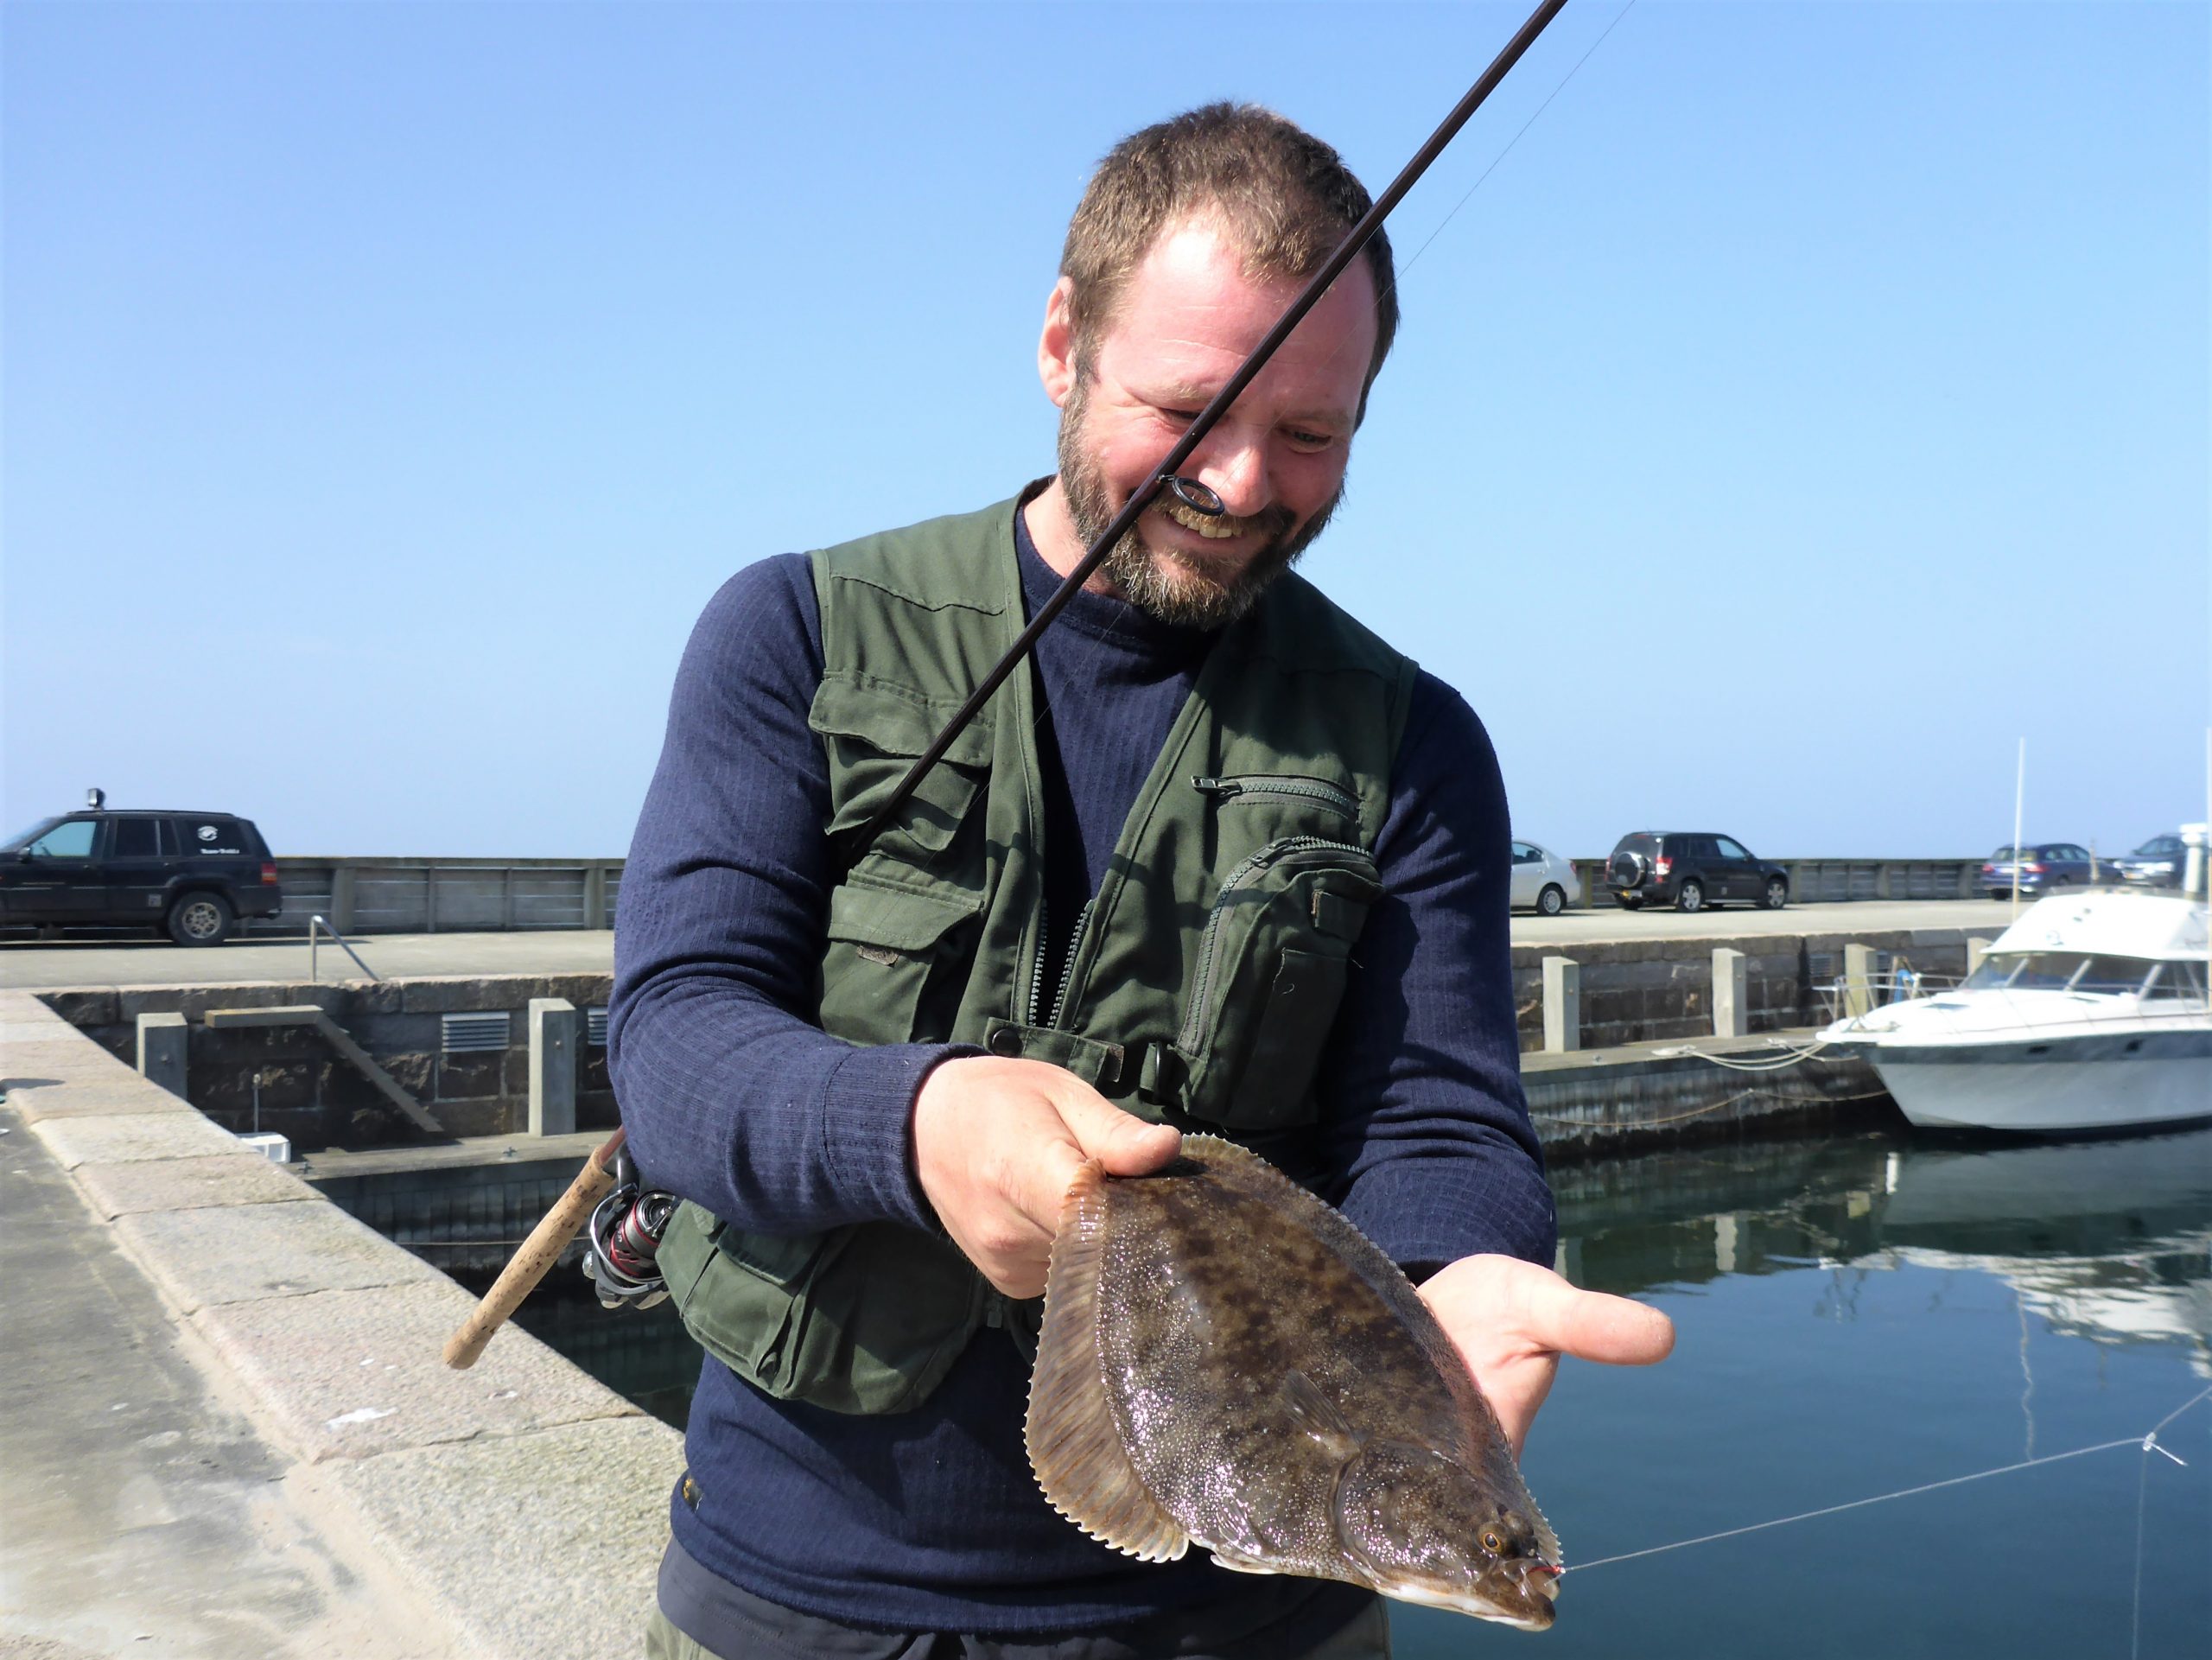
column 1310, row 440
column 1180, row 417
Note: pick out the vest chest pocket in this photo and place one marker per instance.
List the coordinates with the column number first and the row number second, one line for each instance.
column 1267, row 982
column 895, row 954
column 874, row 732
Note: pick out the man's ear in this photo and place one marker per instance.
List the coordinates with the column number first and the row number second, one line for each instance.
column 1056, row 345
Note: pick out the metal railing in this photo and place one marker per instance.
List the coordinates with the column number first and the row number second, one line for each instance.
column 318, row 924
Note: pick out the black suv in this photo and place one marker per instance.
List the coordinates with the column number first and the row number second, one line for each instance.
column 1691, row 870
column 191, row 875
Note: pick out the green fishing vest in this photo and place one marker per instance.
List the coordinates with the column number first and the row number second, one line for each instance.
column 1203, row 976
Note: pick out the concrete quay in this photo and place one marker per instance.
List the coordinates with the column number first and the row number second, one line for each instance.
column 227, row 1427
column 46, row 965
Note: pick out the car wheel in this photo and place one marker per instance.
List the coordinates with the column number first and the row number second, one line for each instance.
column 1777, row 893
column 201, row 919
column 1691, row 897
column 1631, row 901
column 1552, row 901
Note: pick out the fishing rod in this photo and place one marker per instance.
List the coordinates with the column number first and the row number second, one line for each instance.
column 1189, row 492
column 626, row 1218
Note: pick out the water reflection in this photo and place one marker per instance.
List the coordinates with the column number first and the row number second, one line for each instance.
column 2111, row 1240
column 1858, row 1315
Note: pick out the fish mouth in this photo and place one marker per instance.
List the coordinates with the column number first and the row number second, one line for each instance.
column 1519, row 1594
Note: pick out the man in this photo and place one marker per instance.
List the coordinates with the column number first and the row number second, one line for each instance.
column 874, row 1071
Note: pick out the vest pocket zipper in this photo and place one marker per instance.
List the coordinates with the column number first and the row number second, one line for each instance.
column 1284, row 785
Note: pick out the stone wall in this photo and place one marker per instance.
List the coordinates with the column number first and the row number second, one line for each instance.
column 309, row 1093
column 1637, row 990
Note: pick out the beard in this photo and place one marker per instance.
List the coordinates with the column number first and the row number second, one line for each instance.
column 1188, row 590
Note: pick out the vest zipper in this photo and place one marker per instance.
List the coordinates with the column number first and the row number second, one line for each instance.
column 1037, row 968
column 1194, row 1018
column 1277, row 784
column 1067, row 969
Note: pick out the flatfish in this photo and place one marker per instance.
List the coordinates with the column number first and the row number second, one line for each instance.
column 1226, row 1361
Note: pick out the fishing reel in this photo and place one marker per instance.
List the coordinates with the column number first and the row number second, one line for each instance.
column 622, row 1243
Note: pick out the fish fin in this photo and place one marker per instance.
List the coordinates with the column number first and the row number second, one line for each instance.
column 1240, row 1564
column 1317, row 1415
column 1074, row 1446
column 1547, row 1541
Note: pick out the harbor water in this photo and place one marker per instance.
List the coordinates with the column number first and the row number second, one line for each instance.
column 1856, row 1316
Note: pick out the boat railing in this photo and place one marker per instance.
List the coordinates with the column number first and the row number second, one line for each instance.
column 2031, row 1005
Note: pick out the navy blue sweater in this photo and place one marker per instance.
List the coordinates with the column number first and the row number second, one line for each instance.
column 930, row 1519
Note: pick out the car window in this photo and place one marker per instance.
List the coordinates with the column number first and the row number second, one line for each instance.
column 2072, row 854
column 24, row 838
column 1731, row 849
column 1523, row 854
column 1642, row 842
column 136, row 838
column 2001, row 855
column 70, row 839
column 209, row 836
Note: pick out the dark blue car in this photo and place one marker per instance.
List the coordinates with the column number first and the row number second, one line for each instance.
column 2157, row 863
column 2045, row 867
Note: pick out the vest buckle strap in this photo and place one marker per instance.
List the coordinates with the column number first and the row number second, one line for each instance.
column 1162, row 1074
column 1096, row 1063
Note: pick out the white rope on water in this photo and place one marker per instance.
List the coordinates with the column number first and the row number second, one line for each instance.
column 2148, row 1444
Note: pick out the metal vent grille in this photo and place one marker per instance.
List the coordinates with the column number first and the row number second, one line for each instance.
column 473, row 1033
column 595, row 1028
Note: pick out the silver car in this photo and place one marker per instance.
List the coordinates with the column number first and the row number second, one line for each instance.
column 1543, row 881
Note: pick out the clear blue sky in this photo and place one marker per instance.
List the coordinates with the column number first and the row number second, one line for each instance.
column 1813, row 402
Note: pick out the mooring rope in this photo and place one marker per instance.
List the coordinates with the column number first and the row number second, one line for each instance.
column 2148, row 1443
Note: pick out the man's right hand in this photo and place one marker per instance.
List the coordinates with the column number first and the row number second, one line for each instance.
column 997, row 1144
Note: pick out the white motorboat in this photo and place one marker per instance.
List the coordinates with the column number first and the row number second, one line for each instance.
column 2087, row 1013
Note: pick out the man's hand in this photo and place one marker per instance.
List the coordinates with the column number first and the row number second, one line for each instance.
column 1512, row 1320
column 997, row 1144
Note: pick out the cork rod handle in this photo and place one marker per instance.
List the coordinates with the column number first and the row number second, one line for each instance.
column 539, row 1253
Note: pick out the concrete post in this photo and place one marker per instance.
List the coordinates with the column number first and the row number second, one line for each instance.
column 1732, row 994
column 1562, row 1005
column 162, row 1048
column 1976, row 949
column 594, row 896
column 1859, row 991
column 341, row 898
column 556, row 1044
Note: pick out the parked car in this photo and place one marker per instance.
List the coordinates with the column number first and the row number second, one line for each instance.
column 190, row 876
column 1543, row 881
column 2045, row 867
column 2157, row 863
column 1690, row 869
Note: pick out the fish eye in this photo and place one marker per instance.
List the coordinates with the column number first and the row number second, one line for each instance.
column 1493, row 1542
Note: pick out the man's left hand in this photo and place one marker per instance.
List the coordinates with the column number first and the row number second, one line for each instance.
column 1511, row 1321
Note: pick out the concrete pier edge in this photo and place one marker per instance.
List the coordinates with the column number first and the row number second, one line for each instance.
column 520, row 1502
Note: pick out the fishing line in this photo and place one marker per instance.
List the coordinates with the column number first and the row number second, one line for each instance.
column 1397, row 280
column 2148, row 1444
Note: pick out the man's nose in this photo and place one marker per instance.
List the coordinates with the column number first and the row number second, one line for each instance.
column 1233, row 463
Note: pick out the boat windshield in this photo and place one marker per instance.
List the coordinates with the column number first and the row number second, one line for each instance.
column 2059, row 971
column 2183, row 981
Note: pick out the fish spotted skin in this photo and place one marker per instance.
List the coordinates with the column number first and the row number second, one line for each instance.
column 1227, row 1361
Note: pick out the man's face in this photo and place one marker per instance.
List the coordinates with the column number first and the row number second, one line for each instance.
column 1188, row 318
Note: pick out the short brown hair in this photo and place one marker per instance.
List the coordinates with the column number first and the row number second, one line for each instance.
column 1283, row 197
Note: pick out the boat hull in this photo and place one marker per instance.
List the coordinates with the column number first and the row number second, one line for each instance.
column 2052, row 1085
